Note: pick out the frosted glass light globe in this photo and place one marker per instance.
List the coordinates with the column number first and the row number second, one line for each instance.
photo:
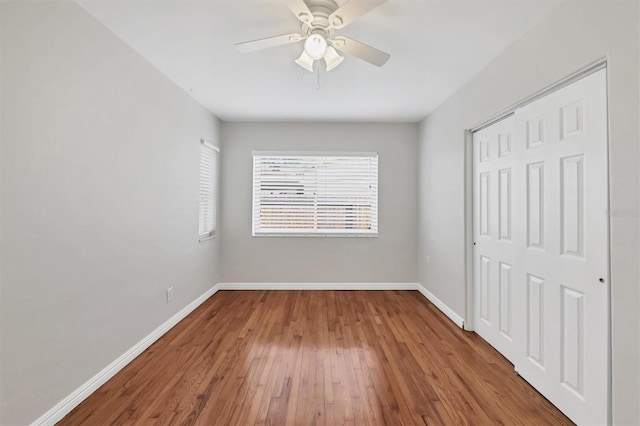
column 315, row 46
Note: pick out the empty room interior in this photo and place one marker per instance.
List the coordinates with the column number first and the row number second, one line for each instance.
column 320, row 212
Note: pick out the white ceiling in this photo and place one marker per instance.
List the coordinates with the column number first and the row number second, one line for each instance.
column 436, row 46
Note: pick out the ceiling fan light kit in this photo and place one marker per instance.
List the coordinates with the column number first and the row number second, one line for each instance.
column 332, row 59
column 319, row 20
column 315, row 46
column 305, row 61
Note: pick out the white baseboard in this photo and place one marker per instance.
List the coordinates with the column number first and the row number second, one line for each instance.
column 457, row 319
column 65, row 406
column 318, row 286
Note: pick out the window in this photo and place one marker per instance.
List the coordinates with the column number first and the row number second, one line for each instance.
column 208, row 190
column 315, row 194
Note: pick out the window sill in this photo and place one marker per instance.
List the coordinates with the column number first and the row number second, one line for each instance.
column 206, row 238
column 313, row 235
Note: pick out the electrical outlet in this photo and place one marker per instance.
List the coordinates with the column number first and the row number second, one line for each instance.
column 169, row 294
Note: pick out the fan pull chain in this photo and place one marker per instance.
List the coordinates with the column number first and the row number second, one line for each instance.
column 318, row 81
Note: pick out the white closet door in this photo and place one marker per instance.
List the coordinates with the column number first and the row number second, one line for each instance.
column 561, row 241
column 493, row 239
column 541, row 245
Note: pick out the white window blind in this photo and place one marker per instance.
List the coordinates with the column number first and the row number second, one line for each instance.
column 208, row 189
column 317, row 194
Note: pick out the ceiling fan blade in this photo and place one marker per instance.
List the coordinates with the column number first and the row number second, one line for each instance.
column 301, row 10
column 351, row 11
column 361, row 50
column 264, row 43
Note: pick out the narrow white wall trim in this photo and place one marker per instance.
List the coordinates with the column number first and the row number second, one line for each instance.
column 319, row 286
column 61, row 409
column 457, row 319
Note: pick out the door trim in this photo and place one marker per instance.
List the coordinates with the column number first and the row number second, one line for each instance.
column 469, row 301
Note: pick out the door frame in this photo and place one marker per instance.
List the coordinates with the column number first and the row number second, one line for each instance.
column 469, row 313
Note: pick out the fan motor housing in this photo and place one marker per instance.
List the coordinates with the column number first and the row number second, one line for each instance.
column 321, row 10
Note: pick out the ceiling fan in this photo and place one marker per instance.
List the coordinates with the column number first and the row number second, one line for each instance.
column 319, row 21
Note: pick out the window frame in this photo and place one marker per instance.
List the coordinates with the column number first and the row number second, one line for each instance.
column 338, row 233
column 214, row 190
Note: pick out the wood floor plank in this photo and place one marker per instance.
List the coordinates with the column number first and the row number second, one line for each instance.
column 317, row 358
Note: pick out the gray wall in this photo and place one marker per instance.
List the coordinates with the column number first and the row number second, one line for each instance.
column 99, row 190
column 579, row 32
column 93, row 139
column 389, row 258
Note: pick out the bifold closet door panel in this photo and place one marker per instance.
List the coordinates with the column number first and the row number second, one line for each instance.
column 563, row 248
column 493, row 229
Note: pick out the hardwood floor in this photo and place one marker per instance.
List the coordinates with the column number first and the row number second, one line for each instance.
column 317, row 358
